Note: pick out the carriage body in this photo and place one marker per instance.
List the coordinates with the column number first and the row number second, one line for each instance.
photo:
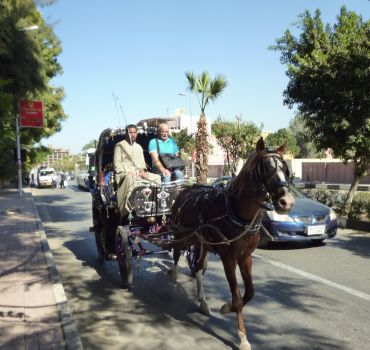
column 151, row 204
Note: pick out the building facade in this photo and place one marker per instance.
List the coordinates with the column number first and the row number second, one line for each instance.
column 55, row 155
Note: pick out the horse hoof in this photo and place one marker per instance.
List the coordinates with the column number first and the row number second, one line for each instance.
column 244, row 343
column 204, row 309
column 245, row 346
column 225, row 309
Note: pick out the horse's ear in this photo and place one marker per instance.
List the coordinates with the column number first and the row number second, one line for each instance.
column 281, row 150
column 260, row 145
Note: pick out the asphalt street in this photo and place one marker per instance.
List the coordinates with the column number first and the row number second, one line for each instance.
column 306, row 297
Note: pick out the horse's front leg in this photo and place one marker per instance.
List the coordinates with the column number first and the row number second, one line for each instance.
column 245, row 266
column 237, row 301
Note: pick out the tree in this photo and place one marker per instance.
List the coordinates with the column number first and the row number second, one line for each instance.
column 185, row 142
column 90, row 144
column 67, row 163
column 274, row 140
column 28, row 62
column 206, row 90
column 237, row 139
column 307, row 148
column 329, row 81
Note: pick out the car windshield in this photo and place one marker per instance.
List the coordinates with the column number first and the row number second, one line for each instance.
column 295, row 192
column 46, row 172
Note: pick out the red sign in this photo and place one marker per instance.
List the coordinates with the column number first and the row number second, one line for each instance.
column 31, row 115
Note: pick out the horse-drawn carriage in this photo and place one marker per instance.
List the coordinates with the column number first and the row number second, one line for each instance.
column 151, row 204
column 196, row 219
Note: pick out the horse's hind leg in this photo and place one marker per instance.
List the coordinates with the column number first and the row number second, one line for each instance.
column 175, row 267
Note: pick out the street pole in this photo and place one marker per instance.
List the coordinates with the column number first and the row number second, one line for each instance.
column 19, row 160
column 18, row 138
column 191, row 131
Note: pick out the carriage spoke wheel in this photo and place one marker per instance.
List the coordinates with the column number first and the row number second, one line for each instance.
column 190, row 259
column 100, row 244
column 124, row 255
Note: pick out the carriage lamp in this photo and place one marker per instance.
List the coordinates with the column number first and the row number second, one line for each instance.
column 162, row 196
column 151, row 219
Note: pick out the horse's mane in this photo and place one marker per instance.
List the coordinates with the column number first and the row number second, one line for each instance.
column 243, row 181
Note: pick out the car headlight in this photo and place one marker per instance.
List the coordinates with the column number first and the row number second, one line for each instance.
column 332, row 215
column 274, row 216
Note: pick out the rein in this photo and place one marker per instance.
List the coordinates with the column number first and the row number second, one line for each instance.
column 253, row 226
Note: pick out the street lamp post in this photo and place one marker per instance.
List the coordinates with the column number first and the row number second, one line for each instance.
column 191, row 131
column 17, row 126
column 19, row 160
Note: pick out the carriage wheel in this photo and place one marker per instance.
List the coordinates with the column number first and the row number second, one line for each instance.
column 99, row 244
column 124, row 255
column 98, row 234
column 190, row 259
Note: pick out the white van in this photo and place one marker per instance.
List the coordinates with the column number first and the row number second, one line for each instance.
column 47, row 177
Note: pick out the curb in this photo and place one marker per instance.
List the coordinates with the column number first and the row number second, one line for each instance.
column 354, row 224
column 71, row 335
column 324, row 186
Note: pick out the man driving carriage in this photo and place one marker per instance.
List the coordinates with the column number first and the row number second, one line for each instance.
column 129, row 166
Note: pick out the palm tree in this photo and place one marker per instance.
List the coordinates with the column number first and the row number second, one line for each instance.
column 206, row 90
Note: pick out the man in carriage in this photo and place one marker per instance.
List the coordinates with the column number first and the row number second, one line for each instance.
column 130, row 167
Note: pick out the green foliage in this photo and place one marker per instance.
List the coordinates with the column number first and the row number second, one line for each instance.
column 278, row 138
column 328, row 68
column 28, row 62
column 307, row 148
column 90, row 144
column 67, row 163
column 237, row 139
column 185, row 142
column 206, row 90
column 360, row 207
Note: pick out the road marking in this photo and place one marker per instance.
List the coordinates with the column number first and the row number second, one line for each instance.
column 312, row 277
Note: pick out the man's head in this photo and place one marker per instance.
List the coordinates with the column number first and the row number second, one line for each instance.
column 163, row 131
column 131, row 133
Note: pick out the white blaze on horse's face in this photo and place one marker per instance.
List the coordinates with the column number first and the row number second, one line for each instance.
column 278, row 184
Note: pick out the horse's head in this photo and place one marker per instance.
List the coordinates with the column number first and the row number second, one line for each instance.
column 271, row 174
column 266, row 173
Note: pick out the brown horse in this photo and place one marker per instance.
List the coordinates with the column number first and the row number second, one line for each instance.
column 226, row 220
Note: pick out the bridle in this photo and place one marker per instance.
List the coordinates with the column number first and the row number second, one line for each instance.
column 271, row 184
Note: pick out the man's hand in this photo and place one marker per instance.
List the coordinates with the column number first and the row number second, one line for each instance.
column 166, row 172
column 142, row 173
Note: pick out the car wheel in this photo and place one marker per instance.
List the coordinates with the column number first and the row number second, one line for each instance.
column 317, row 242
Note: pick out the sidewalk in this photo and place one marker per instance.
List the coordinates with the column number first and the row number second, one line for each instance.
column 33, row 307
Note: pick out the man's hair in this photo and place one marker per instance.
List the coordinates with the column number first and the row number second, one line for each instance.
column 161, row 126
column 131, row 126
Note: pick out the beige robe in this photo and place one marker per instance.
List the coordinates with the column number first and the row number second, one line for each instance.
column 128, row 161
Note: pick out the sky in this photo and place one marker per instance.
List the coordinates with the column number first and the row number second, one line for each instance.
column 139, row 50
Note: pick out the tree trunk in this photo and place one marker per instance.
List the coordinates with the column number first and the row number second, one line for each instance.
column 202, row 150
column 352, row 191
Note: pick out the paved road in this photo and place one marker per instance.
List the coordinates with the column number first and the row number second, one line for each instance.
column 306, row 297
